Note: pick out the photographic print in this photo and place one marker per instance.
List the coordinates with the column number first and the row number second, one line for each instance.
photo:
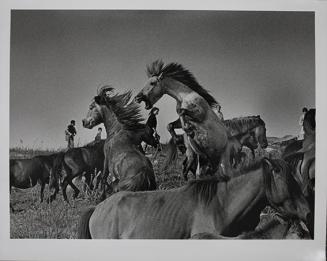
column 162, row 124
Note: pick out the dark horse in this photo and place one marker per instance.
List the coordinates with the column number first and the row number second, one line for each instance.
column 125, row 132
column 26, row 173
column 75, row 162
column 214, row 207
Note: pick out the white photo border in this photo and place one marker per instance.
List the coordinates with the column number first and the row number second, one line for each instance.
column 39, row 249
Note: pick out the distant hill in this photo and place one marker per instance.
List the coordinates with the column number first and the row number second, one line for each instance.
column 283, row 140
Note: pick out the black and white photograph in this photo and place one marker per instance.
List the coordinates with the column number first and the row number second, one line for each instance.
column 163, row 124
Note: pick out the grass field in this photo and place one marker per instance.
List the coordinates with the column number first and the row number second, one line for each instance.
column 33, row 219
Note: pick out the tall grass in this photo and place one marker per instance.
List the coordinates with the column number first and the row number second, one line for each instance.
column 59, row 219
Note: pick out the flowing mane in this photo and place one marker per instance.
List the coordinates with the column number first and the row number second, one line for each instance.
column 127, row 111
column 243, row 124
column 206, row 189
column 179, row 73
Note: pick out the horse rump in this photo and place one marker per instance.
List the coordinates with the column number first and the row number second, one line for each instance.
column 83, row 228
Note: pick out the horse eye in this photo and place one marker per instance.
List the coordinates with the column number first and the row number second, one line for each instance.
column 152, row 83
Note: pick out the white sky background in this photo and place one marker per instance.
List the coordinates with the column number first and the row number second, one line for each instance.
column 254, row 63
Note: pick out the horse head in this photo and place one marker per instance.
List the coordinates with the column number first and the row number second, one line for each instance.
column 260, row 134
column 95, row 114
column 251, row 141
column 284, row 193
column 151, row 92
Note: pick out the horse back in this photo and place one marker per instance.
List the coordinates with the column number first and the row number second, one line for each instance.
column 292, row 148
column 24, row 173
column 143, row 215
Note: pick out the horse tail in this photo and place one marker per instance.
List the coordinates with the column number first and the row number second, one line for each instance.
column 83, row 228
column 172, row 154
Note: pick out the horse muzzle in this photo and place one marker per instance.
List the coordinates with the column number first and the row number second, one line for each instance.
column 87, row 123
column 141, row 97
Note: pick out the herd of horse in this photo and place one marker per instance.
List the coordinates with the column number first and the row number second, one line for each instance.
column 223, row 200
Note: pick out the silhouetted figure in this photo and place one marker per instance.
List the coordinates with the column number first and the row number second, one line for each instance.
column 98, row 136
column 152, row 123
column 217, row 110
column 301, row 134
column 70, row 133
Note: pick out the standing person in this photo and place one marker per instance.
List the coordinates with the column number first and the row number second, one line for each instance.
column 301, row 134
column 98, row 136
column 70, row 133
column 152, row 123
column 217, row 110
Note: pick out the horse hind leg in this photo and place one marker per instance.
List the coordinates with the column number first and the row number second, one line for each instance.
column 42, row 190
column 76, row 190
column 64, row 188
column 10, row 205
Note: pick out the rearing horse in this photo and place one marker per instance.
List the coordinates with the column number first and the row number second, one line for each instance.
column 125, row 131
column 206, row 134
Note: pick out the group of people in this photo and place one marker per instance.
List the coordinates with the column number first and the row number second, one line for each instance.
column 152, row 122
column 71, row 132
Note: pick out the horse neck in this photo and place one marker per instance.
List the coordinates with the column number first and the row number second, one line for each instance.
column 243, row 137
column 175, row 89
column 137, row 136
column 110, row 122
column 243, row 194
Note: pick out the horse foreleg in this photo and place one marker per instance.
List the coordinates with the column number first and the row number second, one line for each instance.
column 53, row 196
column 225, row 167
column 11, row 207
column 42, row 190
column 64, row 188
column 105, row 174
column 172, row 126
column 189, row 164
column 76, row 190
column 253, row 154
column 88, row 181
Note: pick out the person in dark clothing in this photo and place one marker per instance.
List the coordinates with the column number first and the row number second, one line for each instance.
column 152, row 120
column 98, row 136
column 70, row 133
column 152, row 123
column 301, row 134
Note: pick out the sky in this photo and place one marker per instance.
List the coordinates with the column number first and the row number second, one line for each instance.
column 253, row 63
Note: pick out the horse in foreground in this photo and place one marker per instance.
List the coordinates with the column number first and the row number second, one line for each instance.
column 219, row 208
column 274, row 229
column 75, row 162
column 124, row 157
column 26, row 173
column 206, row 134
